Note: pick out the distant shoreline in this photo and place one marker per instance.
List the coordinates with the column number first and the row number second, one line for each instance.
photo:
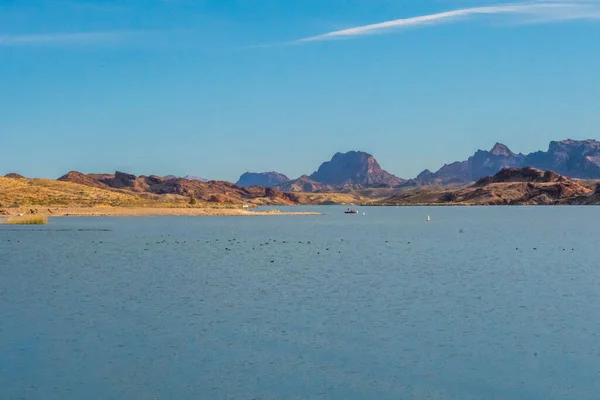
column 147, row 212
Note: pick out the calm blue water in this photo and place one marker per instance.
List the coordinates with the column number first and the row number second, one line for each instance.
column 382, row 306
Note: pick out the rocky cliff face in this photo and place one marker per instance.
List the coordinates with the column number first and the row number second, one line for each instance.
column 265, row 179
column 354, row 168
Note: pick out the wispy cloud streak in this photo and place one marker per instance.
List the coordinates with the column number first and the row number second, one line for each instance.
column 540, row 11
column 61, row 38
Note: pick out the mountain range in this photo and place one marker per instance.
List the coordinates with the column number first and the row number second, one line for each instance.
column 354, row 170
column 357, row 170
column 345, row 171
column 578, row 159
column 350, row 176
column 510, row 186
column 480, row 164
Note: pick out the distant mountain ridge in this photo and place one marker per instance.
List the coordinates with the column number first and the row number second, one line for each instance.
column 573, row 158
column 482, row 163
column 265, row 179
column 305, row 184
column 354, row 170
column 190, row 177
column 579, row 159
column 358, row 171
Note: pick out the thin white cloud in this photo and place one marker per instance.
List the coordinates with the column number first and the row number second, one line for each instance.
column 61, row 38
column 528, row 12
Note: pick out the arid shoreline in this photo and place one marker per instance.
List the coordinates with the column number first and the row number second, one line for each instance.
column 149, row 211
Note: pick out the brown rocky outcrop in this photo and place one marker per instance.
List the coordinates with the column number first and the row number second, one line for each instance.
column 12, row 175
column 510, row 186
column 527, row 174
column 212, row 191
column 82, row 179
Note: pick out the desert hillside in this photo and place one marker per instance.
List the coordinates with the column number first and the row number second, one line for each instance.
column 510, row 186
column 22, row 192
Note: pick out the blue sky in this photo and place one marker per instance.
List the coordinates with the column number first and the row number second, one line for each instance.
column 217, row 87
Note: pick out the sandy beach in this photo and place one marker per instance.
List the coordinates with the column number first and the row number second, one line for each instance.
column 140, row 211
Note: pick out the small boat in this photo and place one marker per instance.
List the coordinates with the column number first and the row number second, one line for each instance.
column 350, row 212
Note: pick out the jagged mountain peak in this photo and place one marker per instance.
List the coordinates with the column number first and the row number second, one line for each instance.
column 571, row 158
column 500, row 149
column 354, row 168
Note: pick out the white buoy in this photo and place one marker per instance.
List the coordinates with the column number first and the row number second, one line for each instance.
column 364, row 213
column 428, row 218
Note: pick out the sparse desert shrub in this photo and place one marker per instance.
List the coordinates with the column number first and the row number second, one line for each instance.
column 28, row 220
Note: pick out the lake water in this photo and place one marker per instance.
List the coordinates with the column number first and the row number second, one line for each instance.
column 479, row 303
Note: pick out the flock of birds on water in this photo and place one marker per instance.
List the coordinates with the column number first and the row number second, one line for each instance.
column 232, row 242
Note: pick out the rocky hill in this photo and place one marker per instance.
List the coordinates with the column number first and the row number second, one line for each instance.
column 213, row 191
column 527, row 174
column 12, row 175
column 21, row 192
column 525, row 186
column 354, row 168
column 266, row 179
